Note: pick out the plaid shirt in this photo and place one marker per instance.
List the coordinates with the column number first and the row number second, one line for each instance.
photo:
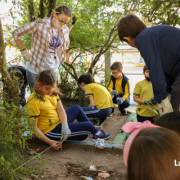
column 40, row 42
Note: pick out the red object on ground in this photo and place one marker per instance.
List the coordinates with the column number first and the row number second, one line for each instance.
column 40, row 150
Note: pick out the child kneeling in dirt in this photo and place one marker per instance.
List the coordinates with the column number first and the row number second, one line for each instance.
column 151, row 152
column 143, row 95
column 100, row 100
column 119, row 86
column 170, row 121
column 51, row 123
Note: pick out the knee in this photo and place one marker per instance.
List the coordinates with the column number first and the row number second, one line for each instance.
column 76, row 107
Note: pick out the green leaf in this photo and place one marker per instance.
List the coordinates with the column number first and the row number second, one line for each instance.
column 2, row 158
column 44, row 4
column 35, row 15
column 40, row 20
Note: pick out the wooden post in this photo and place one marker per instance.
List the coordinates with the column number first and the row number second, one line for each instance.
column 107, row 65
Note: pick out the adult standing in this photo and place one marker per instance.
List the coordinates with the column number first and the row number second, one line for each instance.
column 50, row 39
column 160, row 48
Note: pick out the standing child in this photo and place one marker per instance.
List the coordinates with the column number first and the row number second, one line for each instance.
column 100, row 100
column 51, row 123
column 119, row 86
column 143, row 95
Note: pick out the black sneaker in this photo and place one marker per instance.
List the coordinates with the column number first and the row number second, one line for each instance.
column 102, row 135
column 123, row 112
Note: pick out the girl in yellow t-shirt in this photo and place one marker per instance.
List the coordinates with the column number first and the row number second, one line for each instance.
column 100, row 100
column 51, row 122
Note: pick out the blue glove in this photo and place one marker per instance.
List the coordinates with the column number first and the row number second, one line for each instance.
column 114, row 92
column 119, row 100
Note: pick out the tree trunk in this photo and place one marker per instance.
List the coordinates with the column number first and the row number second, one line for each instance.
column 31, row 10
column 42, row 5
column 51, row 6
column 11, row 84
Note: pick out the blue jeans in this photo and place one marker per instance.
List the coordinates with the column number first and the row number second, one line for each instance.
column 31, row 78
column 79, row 131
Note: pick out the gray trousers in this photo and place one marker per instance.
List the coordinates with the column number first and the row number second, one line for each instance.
column 175, row 94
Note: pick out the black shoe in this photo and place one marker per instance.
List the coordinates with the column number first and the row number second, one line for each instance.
column 123, row 112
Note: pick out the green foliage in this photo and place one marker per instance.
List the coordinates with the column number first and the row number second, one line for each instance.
column 156, row 12
column 68, row 84
column 13, row 123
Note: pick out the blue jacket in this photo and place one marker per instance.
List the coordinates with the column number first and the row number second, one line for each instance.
column 160, row 48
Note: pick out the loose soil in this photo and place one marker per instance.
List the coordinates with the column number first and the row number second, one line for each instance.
column 74, row 160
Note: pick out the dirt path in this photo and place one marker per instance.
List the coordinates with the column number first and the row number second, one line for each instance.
column 61, row 165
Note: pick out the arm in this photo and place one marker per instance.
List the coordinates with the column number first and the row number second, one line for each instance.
column 149, row 50
column 65, row 131
column 92, row 103
column 138, row 100
column 136, row 94
column 89, row 95
column 127, row 91
column 41, row 136
column 22, row 31
column 74, row 21
column 110, row 85
column 20, row 44
column 61, row 113
column 70, row 27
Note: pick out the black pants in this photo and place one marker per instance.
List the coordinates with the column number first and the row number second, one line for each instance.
column 143, row 118
column 175, row 94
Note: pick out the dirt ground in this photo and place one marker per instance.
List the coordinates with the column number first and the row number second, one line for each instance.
column 74, row 161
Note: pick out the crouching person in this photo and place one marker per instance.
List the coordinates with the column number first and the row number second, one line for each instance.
column 119, row 86
column 100, row 100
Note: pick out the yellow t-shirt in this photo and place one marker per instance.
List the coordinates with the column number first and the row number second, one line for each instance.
column 45, row 111
column 119, row 89
column 144, row 90
column 101, row 96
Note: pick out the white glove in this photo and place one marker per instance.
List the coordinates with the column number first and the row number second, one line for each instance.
column 65, row 132
column 26, row 55
column 119, row 100
column 165, row 106
column 114, row 92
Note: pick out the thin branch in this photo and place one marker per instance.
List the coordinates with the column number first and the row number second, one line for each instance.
column 68, row 71
column 110, row 43
column 75, row 58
